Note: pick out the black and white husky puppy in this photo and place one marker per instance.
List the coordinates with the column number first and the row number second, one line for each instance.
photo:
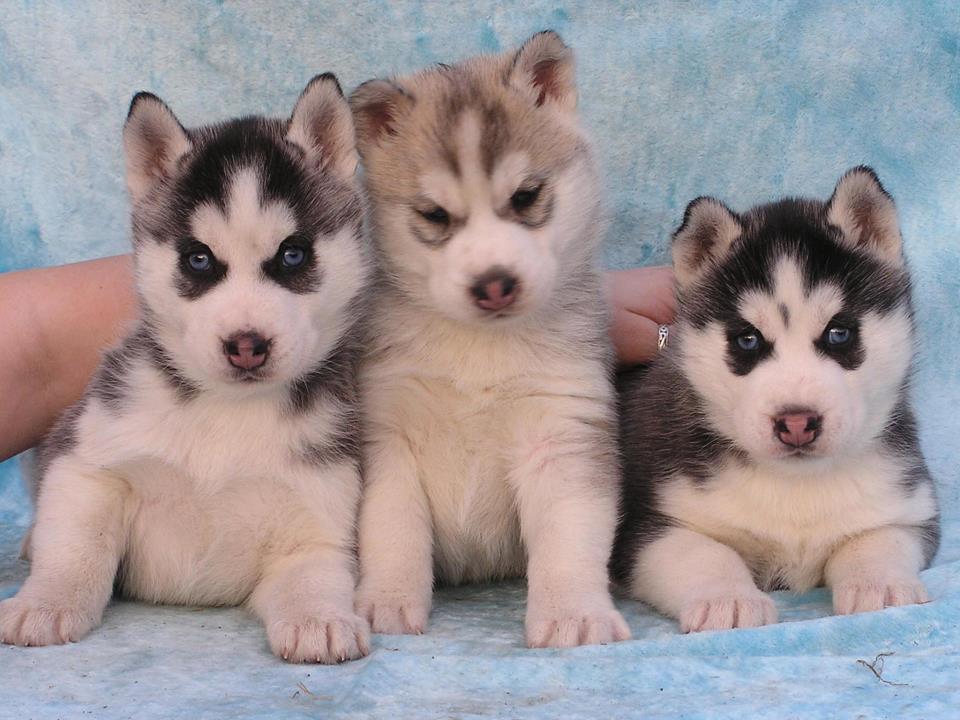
column 487, row 391
column 214, row 457
column 773, row 446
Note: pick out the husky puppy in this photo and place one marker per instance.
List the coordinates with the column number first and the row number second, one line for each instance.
column 214, row 458
column 773, row 445
column 487, row 390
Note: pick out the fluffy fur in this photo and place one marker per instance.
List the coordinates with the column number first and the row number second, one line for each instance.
column 214, row 458
column 491, row 444
column 773, row 445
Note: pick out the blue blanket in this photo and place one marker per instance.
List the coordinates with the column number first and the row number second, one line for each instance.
column 746, row 101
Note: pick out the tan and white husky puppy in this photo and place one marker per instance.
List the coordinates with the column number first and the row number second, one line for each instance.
column 492, row 447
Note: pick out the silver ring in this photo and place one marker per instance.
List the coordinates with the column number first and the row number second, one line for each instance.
column 663, row 335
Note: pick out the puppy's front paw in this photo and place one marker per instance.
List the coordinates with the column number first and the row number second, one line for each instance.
column 326, row 639
column 595, row 624
column 727, row 610
column 33, row 622
column 393, row 613
column 865, row 595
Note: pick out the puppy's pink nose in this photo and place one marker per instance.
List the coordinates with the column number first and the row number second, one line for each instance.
column 797, row 429
column 246, row 351
column 495, row 289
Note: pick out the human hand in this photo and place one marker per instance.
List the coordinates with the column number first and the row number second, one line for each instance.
column 641, row 300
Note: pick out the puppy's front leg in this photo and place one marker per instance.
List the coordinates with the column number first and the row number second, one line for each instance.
column 305, row 592
column 565, row 484
column 880, row 568
column 703, row 583
column 77, row 541
column 396, row 540
column 306, row 603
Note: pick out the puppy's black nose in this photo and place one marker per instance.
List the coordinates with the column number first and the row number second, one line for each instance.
column 246, row 350
column 495, row 289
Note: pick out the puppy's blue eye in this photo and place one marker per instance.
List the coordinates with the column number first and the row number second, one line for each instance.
column 748, row 341
column 838, row 336
column 199, row 261
column 293, row 256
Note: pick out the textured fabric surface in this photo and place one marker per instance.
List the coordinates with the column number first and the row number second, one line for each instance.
column 746, row 101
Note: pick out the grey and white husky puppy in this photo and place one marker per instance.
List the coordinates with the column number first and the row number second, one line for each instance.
column 774, row 446
column 488, row 391
column 214, row 457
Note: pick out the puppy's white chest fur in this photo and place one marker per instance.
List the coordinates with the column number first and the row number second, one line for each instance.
column 179, row 544
column 477, row 410
column 214, row 491
column 786, row 527
column 460, row 441
column 458, row 411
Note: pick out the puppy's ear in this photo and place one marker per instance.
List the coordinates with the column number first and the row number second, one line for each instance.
column 543, row 69
column 708, row 230
column 376, row 107
column 866, row 215
column 153, row 142
column 322, row 126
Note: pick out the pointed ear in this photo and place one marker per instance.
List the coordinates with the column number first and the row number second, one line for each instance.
column 544, row 69
column 866, row 215
column 708, row 230
column 376, row 107
column 322, row 126
column 153, row 141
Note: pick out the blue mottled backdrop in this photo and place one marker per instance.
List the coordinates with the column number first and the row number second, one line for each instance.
column 745, row 100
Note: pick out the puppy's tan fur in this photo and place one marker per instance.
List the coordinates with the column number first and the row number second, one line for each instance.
column 491, row 438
